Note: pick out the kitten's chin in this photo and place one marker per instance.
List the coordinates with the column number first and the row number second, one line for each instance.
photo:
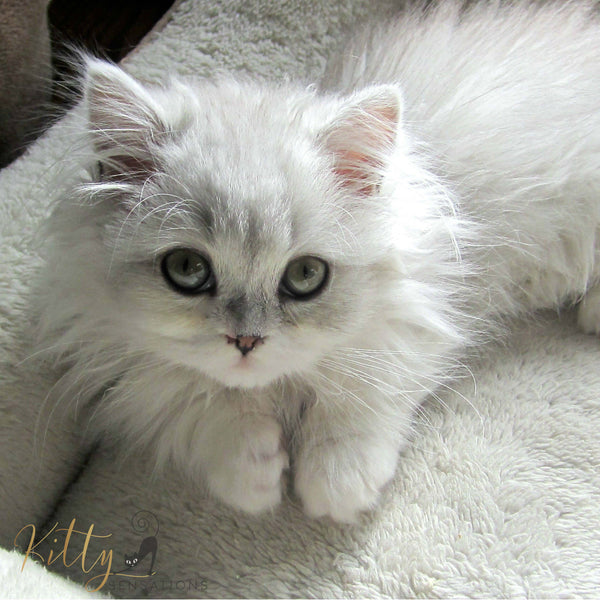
column 246, row 373
column 243, row 378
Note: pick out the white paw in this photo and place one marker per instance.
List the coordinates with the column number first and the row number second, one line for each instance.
column 248, row 474
column 340, row 479
column 588, row 316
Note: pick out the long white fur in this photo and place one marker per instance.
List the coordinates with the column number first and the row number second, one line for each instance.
column 447, row 171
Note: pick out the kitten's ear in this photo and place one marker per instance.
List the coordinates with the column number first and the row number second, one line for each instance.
column 363, row 136
column 123, row 119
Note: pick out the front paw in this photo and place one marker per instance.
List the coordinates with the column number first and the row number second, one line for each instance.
column 248, row 471
column 340, row 479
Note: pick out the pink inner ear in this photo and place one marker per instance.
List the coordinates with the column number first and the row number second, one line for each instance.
column 353, row 170
column 127, row 162
column 362, row 142
column 129, row 169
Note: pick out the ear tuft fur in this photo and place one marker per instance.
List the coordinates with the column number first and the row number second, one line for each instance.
column 363, row 136
column 124, row 121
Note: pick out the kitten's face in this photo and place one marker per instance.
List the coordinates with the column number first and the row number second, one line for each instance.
column 237, row 254
column 211, row 257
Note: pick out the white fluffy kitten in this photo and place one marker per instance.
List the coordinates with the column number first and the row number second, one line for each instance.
column 261, row 272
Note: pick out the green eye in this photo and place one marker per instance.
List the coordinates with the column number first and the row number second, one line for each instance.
column 188, row 271
column 304, row 277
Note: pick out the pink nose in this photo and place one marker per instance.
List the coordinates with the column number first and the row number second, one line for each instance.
column 245, row 343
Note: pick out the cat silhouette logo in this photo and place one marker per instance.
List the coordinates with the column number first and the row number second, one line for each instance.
column 142, row 522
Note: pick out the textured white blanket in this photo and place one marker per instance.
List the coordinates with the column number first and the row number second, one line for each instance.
column 499, row 495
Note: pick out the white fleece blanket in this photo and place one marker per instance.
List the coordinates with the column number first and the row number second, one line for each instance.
column 498, row 496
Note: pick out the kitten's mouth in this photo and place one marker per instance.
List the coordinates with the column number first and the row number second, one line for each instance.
column 243, row 364
column 246, row 372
